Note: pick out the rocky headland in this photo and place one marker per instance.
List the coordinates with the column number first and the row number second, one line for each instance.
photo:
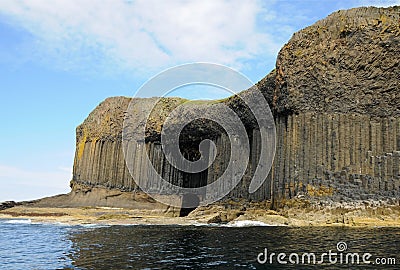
column 335, row 99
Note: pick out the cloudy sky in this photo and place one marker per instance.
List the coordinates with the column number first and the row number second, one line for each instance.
column 59, row 59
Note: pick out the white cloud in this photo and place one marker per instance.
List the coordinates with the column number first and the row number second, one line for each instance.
column 144, row 35
column 22, row 184
column 378, row 3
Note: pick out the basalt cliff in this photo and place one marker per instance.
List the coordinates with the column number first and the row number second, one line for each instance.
column 335, row 99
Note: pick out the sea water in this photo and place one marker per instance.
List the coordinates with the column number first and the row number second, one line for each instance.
column 245, row 245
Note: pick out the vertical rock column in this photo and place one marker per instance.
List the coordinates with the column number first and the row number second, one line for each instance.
column 316, row 149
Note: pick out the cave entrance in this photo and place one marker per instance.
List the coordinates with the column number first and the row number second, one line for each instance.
column 190, row 202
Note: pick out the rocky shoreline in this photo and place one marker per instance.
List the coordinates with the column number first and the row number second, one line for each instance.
column 295, row 212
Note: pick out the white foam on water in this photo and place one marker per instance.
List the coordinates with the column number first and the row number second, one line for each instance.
column 234, row 224
column 18, row 221
column 246, row 223
column 58, row 223
column 198, row 224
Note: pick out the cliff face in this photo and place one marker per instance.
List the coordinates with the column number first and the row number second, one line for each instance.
column 99, row 159
column 335, row 98
column 337, row 105
column 345, row 63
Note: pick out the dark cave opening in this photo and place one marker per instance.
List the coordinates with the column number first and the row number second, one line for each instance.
column 190, row 202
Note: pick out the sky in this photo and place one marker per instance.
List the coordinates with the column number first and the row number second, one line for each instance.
column 59, row 59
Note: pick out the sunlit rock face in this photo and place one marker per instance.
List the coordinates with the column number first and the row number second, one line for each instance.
column 335, row 97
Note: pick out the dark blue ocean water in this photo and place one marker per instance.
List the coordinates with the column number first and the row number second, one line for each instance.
column 26, row 245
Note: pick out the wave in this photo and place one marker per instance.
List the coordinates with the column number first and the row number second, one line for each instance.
column 94, row 225
column 246, row 223
column 236, row 224
column 60, row 224
column 18, row 221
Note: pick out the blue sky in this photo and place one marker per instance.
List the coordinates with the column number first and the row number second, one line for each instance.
column 60, row 59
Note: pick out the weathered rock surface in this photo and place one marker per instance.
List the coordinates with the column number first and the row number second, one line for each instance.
column 294, row 212
column 335, row 97
column 345, row 63
column 8, row 204
column 336, row 103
